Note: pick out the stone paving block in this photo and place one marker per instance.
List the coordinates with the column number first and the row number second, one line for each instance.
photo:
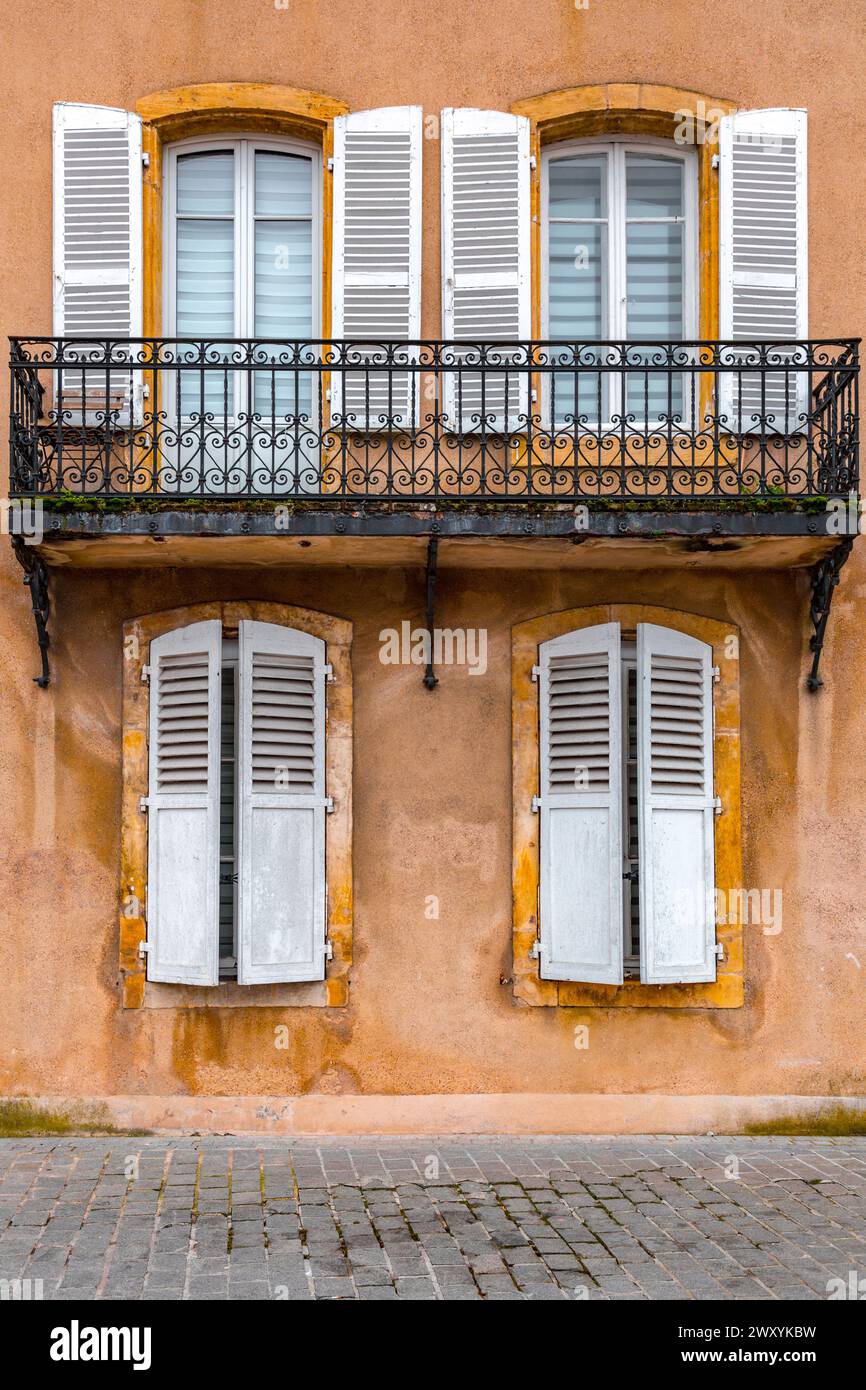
column 502, row 1218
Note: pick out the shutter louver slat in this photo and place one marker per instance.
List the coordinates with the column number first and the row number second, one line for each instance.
column 377, row 239
column 485, row 250
column 97, row 247
column 581, row 820
column 283, row 722
column 183, row 805
column 763, row 259
column 281, row 918
column 675, row 807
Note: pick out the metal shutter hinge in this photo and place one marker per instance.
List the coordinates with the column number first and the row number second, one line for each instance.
column 717, row 805
column 716, row 673
column 535, row 950
column 330, row 164
column 329, row 805
column 145, row 159
column 536, row 673
column 536, row 805
column 143, row 948
column 533, row 162
column 716, row 161
column 329, row 950
column 143, row 803
column 720, row 950
column 328, row 673
column 145, row 674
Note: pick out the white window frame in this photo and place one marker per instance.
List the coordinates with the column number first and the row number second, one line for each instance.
column 244, row 148
column 616, row 148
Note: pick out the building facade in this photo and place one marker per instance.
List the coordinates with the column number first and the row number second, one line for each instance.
column 433, row 466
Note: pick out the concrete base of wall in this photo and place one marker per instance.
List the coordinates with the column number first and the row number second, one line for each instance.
column 518, row 1113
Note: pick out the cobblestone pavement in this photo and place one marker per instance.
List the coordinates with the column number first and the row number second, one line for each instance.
column 544, row 1218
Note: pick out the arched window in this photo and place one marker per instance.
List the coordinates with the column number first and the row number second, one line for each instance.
column 236, row 804
column 619, row 263
column 627, row 806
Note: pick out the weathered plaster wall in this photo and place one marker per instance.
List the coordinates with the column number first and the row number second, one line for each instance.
column 427, row 1012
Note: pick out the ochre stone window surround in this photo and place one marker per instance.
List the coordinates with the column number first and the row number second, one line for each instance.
column 727, row 991
column 630, row 108
column 138, row 633
column 228, row 108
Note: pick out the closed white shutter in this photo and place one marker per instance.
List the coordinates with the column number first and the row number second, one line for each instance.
column 281, row 767
column 580, row 914
column 98, row 246
column 675, row 807
column 763, row 255
column 183, row 806
column 377, row 262
column 485, row 260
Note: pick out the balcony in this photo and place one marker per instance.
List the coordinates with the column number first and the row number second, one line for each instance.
column 612, row 455
column 687, row 426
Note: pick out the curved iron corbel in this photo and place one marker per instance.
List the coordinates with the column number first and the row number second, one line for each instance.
column 36, row 579
column 825, row 577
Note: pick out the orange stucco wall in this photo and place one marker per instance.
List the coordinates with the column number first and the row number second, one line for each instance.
column 427, row 1011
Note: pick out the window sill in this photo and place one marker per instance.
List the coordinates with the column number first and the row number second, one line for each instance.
column 313, row 994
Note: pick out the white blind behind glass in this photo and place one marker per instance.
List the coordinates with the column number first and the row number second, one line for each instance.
column 283, row 279
column 205, row 274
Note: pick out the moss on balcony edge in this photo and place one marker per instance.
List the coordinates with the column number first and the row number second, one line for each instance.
column 68, row 503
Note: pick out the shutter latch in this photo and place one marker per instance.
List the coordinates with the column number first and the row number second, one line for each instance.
column 536, row 805
column 143, row 803
column 717, row 805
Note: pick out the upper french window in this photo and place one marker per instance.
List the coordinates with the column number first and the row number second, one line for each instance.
column 242, row 250
column 619, row 263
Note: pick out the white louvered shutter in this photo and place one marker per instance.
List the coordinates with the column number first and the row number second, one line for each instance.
column 675, row 807
column 485, row 260
column 183, row 806
column 580, row 913
column 377, row 261
column 281, row 846
column 763, row 256
column 98, row 247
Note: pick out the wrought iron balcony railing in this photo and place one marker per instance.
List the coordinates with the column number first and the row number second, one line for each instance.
column 480, row 422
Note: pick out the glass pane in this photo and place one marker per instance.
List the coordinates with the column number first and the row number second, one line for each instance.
column 577, row 308
column 284, row 185
column 205, row 306
column 283, row 309
column 206, row 184
column 654, row 260
column 578, row 187
column 654, row 186
column 654, row 269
